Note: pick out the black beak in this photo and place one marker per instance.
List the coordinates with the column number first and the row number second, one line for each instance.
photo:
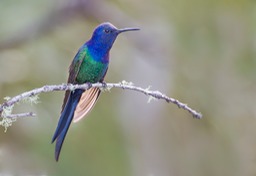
column 127, row 29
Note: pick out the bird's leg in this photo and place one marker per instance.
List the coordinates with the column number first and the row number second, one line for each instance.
column 89, row 85
column 104, row 84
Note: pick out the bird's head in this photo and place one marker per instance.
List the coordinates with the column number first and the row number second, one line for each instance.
column 105, row 35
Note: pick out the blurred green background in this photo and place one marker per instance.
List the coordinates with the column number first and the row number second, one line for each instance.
column 202, row 52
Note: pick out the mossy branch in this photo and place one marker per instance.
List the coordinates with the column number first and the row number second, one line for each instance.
column 32, row 96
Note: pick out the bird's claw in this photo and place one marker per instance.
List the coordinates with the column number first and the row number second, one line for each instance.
column 104, row 84
column 89, row 85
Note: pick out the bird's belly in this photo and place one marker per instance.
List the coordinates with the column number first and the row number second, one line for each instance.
column 91, row 71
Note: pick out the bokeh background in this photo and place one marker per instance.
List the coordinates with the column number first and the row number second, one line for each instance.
column 201, row 52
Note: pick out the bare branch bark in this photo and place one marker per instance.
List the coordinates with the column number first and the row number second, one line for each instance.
column 26, row 114
column 105, row 86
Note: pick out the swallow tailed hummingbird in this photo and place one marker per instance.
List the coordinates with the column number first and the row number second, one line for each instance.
column 89, row 65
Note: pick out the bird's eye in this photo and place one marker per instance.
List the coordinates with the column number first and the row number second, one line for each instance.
column 106, row 31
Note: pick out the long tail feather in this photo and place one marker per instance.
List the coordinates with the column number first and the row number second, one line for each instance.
column 65, row 120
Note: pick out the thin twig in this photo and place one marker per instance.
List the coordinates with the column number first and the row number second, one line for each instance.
column 26, row 114
column 63, row 87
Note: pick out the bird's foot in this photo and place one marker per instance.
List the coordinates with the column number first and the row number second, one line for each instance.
column 104, row 84
column 89, row 85
column 104, row 87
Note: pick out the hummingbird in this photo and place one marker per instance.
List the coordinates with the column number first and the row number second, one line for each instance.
column 89, row 65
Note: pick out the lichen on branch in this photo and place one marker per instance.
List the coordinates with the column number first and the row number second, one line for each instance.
column 32, row 97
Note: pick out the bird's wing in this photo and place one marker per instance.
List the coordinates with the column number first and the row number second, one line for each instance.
column 86, row 103
column 73, row 71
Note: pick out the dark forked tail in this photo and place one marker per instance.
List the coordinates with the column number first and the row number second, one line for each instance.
column 65, row 120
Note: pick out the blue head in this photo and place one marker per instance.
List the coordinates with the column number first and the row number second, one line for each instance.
column 104, row 36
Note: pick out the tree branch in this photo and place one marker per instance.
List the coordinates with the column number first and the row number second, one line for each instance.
column 10, row 102
column 26, row 114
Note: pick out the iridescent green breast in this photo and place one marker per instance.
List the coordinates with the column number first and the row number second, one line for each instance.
column 91, row 70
